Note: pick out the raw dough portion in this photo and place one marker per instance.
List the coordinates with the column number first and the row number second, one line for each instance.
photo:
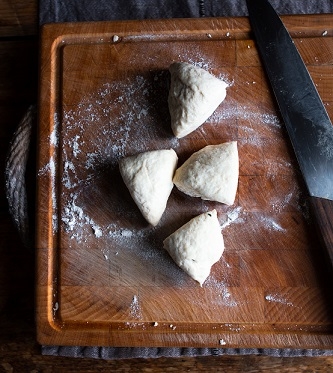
column 148, row 176
column 193, row 97
column 197, row 245
column 211, row 173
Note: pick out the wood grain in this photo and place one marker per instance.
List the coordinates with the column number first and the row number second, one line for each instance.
column 322, row 210
column 18, row 18
column 103, row 277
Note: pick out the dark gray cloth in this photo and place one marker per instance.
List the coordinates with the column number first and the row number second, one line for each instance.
column 109, row 353
column 102, row 10
column 232, row 8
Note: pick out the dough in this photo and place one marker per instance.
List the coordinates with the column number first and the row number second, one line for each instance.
column 194, row 95
column 148, row 176
column 197, row 245
column 211, row 173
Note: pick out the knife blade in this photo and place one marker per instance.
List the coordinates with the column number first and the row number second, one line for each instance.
column 303, row 112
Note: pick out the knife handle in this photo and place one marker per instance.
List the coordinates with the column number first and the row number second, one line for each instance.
column 322, row 211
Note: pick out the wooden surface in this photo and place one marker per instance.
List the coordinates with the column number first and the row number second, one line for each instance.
column 19, row 351
column 322, row 209
column 103, row 276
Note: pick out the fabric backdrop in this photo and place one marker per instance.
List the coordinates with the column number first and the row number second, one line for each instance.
column 92, row 10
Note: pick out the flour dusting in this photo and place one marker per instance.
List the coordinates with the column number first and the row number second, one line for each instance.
column 233, row 217
column 278, row 205
column 135, row 309
column 78, row 222
column 223, row 295
column 126, row 123
column 97, row 230
column 270, row 223
column 278, row 299
column 130, row 118
column 247, row 113
column 130, row 114
column 50, row 169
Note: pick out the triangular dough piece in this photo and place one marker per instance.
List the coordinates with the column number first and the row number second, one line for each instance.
column 197, row 245
column 148, row 176
column 193, row 97
column 211, row 173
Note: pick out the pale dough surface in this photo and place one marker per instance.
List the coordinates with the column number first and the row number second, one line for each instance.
column 148, row 177
column 193, row 97
column 197, row 245
column 210, row 173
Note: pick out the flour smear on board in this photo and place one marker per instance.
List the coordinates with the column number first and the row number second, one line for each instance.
column 126, row 111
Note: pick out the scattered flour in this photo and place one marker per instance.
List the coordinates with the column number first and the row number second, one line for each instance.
column 238, row 216
column 115, row 38
column 135, row 309
column 97, row 231
column 133, row 116
column 278, row 299
column 222, row 342
column 55, row 307
column 76, row 220
column 280, row 204
column 54, row 137
column 223, row 295
column 50, row 169
column 247, row 113
column 120, row 121
column 124, row 234
column 233, row 217
column 270, row 223
column 105, row 253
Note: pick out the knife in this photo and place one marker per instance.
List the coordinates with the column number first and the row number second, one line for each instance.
column 302, row 110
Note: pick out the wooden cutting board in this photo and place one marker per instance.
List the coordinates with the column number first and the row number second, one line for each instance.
column 103, row 276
